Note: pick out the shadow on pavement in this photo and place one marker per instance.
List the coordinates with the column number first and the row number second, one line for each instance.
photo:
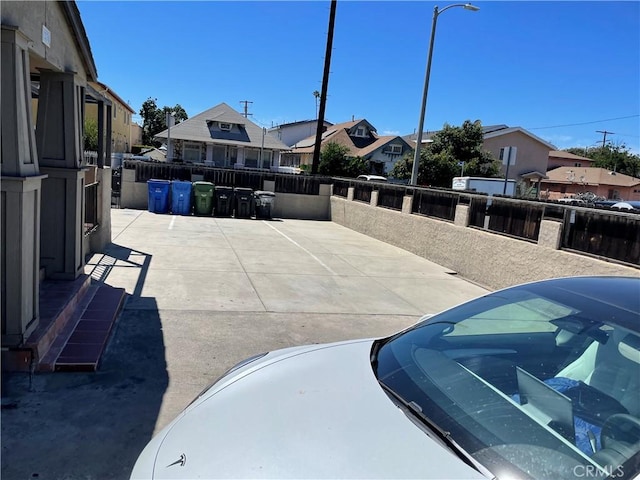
column 90, row 425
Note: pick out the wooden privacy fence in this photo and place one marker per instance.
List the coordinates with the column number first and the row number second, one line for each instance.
column 435, row 203
column 391, row 196
column 246, row 178
column 607, row 235
column 520, row 219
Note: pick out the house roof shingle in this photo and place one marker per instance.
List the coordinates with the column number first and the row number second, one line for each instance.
column 196, row 129
column 590, row 176
column 339, row 133
column 568, row 156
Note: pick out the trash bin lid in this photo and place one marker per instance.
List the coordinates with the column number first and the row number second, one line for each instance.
column 263, row 193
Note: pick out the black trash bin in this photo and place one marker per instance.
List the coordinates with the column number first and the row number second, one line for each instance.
column 223, row 201
column 243, row 202
column 264, row 203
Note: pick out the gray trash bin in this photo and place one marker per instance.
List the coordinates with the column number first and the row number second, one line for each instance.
column 264, row 202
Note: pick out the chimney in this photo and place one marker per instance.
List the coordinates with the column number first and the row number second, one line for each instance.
column 353, row 118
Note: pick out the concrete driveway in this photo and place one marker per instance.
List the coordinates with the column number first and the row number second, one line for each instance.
column 204, row 293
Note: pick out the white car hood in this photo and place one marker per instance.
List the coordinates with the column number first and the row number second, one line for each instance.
column 316, row 412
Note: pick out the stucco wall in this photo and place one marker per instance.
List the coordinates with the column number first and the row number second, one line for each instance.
column 531, row 154
column 492, row 260
column 286, row 205
column 30, row 17
column 304, row 207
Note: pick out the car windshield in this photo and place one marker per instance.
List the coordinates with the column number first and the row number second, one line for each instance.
column 534, row 381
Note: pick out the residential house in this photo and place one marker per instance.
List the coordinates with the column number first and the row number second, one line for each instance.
column 565, row 182
column 49, row 194
column 136, row 134
column 121, row 124
column 559, row 158
column 361, row 139
column 532, row 154
column 292, row 133
column 222, row 137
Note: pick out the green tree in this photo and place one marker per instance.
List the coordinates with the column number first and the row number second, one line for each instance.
column 617, row 158
column 154, row 119
column 439, row 160
column 90, row 134
column 333, row 160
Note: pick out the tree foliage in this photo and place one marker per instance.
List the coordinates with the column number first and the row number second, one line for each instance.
column 334, row 161
column 440, row 160
column 617, row 158
column 90, row 134
column 154, row 119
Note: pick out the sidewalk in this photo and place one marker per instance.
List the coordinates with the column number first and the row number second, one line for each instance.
column 202, row 294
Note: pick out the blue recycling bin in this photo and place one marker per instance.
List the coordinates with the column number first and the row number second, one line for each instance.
column 158, row 195
column 181, row 197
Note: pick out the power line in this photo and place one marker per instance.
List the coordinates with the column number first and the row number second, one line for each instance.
column 584, row 123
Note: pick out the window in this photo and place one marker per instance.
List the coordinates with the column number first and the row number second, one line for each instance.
column 225, row 127
column 219, row 153
column 266, row 159
column 251, row 156
column 360, row 132
column 394, row 149
column 191, row 152
column 577, row 164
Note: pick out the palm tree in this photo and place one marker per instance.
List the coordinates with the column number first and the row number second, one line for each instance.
column 316, row 94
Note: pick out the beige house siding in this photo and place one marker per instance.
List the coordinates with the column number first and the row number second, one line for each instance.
column 136, row 134
column 120, row 121
column 531, row 156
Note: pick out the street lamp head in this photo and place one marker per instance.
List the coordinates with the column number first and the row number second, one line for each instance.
column 473, row 8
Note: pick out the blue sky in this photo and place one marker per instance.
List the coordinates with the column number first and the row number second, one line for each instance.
column 528, row 64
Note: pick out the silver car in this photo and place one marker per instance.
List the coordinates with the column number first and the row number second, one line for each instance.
column 536, row 381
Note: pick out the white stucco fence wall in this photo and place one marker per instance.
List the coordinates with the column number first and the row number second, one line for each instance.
column 489, row 259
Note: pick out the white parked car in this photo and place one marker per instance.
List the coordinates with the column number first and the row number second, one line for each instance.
column 537, row 381
column 372, row 178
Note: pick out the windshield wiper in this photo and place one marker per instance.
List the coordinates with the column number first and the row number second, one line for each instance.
column 442, row 434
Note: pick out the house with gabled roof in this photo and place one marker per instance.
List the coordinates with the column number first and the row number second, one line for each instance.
column 565, row 182
column 560, row 158
column 222, row 137
column 361, row 140
column 291, row 133
column 532, row 154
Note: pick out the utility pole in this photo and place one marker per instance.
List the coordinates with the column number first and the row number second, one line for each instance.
column 323, row 94
column 246, row 108
column 604, row 137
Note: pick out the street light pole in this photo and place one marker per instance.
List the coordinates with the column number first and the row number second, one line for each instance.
column 423, row 108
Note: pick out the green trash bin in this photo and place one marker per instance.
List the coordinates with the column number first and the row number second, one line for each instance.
column 203, row 198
